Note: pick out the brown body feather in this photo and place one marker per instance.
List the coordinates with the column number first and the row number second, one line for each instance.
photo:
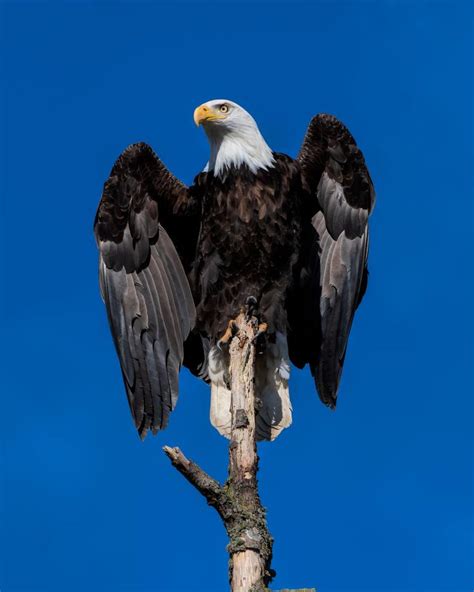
column 249, row 243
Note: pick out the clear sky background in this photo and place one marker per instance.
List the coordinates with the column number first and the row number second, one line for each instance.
column 376, row 496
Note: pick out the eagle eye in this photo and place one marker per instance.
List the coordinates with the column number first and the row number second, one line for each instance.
column 224, row 108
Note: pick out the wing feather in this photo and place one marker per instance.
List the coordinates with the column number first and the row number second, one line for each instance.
column 337, row 179
column 143, row 282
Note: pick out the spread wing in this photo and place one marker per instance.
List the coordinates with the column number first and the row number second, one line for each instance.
column 335, row 173
column 142, row 280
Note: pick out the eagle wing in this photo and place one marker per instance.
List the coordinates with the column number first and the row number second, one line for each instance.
column 143, row 282
column 335, row 174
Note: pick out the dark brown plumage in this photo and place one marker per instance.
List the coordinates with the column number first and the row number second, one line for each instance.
column 249, row 243
column 177, row 263
column 333, row 275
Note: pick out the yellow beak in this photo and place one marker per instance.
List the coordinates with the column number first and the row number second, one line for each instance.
column 204, row 113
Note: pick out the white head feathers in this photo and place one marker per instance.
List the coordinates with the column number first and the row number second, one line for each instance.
column 234, row 137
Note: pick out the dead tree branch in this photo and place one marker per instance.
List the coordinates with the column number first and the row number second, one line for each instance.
column 205, row 484
column 237, row 501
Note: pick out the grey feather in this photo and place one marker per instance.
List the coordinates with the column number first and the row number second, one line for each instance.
column 337, row 178
column 143, row 283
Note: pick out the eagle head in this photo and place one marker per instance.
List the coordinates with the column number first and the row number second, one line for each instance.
column 234, row 137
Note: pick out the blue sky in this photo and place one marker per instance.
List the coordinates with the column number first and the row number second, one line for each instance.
column 376, row 496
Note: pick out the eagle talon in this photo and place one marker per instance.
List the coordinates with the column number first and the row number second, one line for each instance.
column 229, row 333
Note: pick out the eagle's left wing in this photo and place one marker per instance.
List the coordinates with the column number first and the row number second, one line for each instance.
column 335, row 274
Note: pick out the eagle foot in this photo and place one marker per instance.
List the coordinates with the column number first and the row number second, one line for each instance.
column 233, row 327
column 230, row 332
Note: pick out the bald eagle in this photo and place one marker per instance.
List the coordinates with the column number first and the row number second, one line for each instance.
column 177, row 264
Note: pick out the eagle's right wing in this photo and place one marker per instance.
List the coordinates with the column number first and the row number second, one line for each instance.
column 143, row 283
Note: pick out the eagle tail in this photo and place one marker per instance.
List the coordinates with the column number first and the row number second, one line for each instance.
column 273, row 404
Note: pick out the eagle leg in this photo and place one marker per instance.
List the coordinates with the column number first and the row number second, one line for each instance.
column 231, row 330
column 250, row 311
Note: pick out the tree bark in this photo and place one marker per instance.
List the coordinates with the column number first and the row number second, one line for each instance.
column 251, row 562
column 237, row 501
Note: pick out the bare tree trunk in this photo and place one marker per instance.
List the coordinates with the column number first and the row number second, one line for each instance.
column 251, row 565
column 237, row 501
